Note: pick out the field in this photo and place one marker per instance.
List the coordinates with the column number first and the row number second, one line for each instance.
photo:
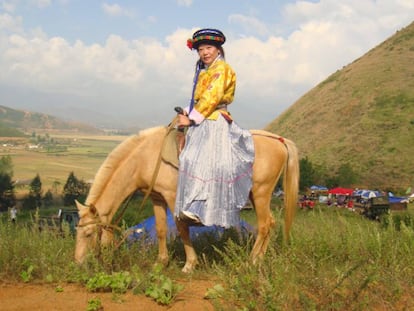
column 83, row 155
column 336, row 259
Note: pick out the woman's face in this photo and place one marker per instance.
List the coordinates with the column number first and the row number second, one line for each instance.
column 208, row 53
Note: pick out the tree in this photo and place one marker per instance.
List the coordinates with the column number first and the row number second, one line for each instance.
column 74, row 189
column 307, row 173
column 34, row 198
column 55, row 186
column 6, row 165
column 7, row 196
column 48, row 198
column 346, row 175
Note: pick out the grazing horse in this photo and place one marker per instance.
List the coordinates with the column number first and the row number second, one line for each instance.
column 131, row 166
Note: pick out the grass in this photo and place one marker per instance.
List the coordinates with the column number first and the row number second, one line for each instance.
column 335, row 260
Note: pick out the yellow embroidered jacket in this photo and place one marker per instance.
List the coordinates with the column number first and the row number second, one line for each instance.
column 215, row 86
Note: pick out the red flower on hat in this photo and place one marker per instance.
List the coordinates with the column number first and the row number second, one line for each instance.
column 190, row 44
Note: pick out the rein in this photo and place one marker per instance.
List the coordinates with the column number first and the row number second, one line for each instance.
column 154, row 175
column 97, row 221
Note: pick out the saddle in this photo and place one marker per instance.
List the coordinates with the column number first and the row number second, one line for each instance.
column 173, row 144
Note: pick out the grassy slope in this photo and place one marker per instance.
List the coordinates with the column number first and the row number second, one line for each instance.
column 362, row 115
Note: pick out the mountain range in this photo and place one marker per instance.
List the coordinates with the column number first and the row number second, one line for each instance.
column 18, row 122
column 361, row 115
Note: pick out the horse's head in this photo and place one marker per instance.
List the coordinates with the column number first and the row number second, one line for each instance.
column 87, row 231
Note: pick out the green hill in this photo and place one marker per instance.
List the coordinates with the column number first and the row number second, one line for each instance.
column 6, row 131
column 16, row 122
column 362, row 115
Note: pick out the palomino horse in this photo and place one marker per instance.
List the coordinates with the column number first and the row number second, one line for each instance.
column 131, row 166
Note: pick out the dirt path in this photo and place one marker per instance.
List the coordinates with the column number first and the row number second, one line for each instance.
column 22, row 297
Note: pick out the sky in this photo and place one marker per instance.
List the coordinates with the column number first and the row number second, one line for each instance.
column 117, row 64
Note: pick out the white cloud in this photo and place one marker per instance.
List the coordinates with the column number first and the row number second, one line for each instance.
column 116, row 10
column 8, row 6
column 250, row 25
column 143, row 79
column 9, row 23
column 187, row 3
column 41, row 3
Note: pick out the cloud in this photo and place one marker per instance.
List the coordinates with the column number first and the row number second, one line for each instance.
column 139, row 81
column 8, row 6
column 250, row 25
column 41, row 3
column 115, row 10
column 186, row 3
column 127, row 79
column 10, row 24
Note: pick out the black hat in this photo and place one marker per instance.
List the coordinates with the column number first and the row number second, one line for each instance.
column 207, row 36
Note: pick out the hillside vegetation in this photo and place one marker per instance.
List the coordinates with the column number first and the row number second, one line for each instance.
column 6, row 131
column 362, row 115
column 13, row 122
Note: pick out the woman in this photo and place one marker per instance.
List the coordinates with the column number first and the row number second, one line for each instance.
column 215, row 169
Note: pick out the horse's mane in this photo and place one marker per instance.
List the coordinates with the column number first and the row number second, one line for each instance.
column 114, row 160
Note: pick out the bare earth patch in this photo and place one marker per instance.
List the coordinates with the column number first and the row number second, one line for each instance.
column 22, row 297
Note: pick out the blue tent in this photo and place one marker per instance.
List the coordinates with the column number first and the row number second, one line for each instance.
column 146, row 229
column 318, row 188
column 396, row 199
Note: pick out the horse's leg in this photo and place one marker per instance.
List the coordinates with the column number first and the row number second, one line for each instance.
column 265, row 222
column 190, row 254
column 160, row 213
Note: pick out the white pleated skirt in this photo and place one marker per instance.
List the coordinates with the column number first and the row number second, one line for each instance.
column 215, row 172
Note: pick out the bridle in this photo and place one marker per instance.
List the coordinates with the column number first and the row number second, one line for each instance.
column 100, row 226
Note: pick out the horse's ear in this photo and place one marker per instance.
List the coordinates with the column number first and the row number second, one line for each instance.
column 79, row 205
column 93, row 209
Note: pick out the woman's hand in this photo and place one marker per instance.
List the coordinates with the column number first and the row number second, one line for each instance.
column 183, row 121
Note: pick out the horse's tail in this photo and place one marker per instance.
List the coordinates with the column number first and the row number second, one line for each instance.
column 290, row 184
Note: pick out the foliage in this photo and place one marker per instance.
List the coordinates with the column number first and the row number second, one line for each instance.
column 311, row 174
column 6, row 131
column 94, row 304
column 161, row 288
column 336, row 260
column 7, row 196
column 307, row 173
column 48, row 198
column 117, row 282
column 346, row 175
column 6, row 165
column 34, row 198
column 361, row 115
column 74, row 189
column 27, row 274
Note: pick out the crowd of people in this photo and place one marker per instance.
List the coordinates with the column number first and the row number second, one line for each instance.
column 309, row 201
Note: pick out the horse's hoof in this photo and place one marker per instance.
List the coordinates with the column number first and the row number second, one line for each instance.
column 163, row 262
column 187, row 269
